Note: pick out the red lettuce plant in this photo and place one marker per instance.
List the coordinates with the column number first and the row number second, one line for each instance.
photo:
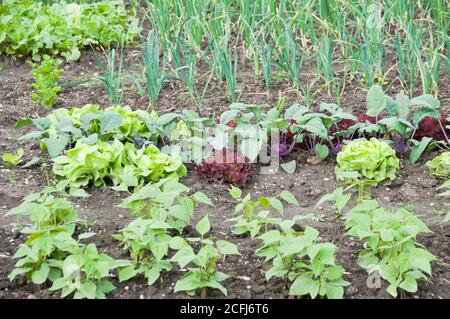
column 345, row 124
column 429, row 127
column 227, row 166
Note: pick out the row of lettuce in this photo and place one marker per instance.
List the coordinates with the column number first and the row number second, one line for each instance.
column 128, row 148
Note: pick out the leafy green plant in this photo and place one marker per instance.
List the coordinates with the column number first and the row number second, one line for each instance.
column 299, row 258
column 390, row 244
column 85, row 273
column 46, row 77
column 366, row 163
column 51, row 254
column 63, row 127
column 165, row 201
column 10, row 159
column 255, row 214
column 205, row 273
column 147, row 241
column 122, row 164
column 340, row 198
column 162, row 207
column 33, row 28
column 439, row 166
column 37, row 254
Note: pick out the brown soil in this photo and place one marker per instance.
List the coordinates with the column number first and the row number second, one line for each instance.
column 414, row 187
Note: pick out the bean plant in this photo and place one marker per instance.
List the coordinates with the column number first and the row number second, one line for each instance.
column 255, row 214
column 204, row 273
column 390, row 246
column 301, row 260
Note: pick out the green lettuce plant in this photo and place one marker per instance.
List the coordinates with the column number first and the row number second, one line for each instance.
column 46, row 77
column 60, row 28
column 10, row 159
column 439, row 166
column 366, row 163
column 122, row 164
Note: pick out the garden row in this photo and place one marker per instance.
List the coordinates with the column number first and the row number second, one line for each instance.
column 340, row 42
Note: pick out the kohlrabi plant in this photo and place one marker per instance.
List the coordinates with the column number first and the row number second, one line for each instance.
column 366, row 162
column 62, row 128
column 255, row 215
column 412, row 124
column 390, row 246
column 439, row 166
column 46, row 77
column 301, row 260
column 204, row 272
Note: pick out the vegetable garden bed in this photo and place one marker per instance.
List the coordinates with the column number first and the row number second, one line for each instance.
column 130, row 154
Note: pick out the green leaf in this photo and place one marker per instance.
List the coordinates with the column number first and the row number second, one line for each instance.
column 55, row 145
column 21, row 122
column 423, row 112
column 202, row 198
column 376, row 101
column 127, row 273
column 227, row 248
column 409, row 283
column 289, row 197
column 110, row 121
column 426, row 100
column 304, row 285
column 322, row 151
column 203, row 226
column 86, row 235
column 235, row 192
column 40, row 276
column 58, row 284
column 166, row 119
column 276, row 203
column 88, row 289
column 334, row 292
column 419, row 149
column 13, row 159
column 35, row 160
column 187, row 283
column 289, row 167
